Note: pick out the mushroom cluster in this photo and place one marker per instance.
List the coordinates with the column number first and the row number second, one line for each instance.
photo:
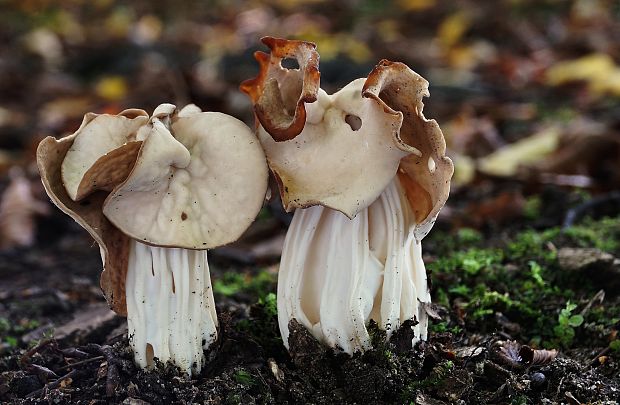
column 155, row 193
column 366, row 174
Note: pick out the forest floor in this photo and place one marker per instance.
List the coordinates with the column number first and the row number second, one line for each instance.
column 505, row 302
column 524, row 258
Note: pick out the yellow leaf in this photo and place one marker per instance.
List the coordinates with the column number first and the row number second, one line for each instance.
column 388, row 30
column 462, row 57
column 357, row 50
column 416, row 5
column 506, row 160
column 586, row 68
column 598, row 70
column 111, row 88
column 452, row 28
column 464, row 169
column 607, row 84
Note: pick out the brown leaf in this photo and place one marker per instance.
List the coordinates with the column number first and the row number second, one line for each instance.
column 88, row 214
column 537, row 357
column 510, row 355
column 18, row 209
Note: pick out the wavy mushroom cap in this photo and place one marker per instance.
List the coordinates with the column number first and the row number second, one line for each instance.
column 199, row 181
column 278, row 93
column 113, row 244
column 345, row 156
column 352, row 143
column 199, row 188
column 426, row 175
column 102, row 153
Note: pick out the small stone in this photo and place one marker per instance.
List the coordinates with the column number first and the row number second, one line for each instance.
column 601, row 267
column 275, row 370
column 580, row 259
column 538, row 379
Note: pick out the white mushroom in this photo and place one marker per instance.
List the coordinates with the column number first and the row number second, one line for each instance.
column 367, row 152
column 196, row 182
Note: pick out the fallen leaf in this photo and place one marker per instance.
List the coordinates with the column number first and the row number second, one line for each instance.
column 65, row 383
column 537, row 357
column 464, row 170
column 452, row 28
column 598, row 70
column 509, row 354
column 18, row 208
column 505, row 161
column 111, row 88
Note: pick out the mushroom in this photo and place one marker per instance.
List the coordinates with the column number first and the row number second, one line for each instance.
column 181, row 183
column 367, row 175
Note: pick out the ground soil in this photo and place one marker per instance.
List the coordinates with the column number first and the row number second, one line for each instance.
column 71, row 349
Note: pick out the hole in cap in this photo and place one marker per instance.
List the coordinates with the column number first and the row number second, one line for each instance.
column 431, row 164
column 289, row 63
column 354, row 121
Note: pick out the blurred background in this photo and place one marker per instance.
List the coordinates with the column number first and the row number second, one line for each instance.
column 526, row 92
column 541, row 76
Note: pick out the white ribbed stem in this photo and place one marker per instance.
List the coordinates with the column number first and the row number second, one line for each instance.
column 337, row 274
column 170, row 307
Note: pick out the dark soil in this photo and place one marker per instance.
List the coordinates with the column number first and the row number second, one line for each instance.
column 61, row 344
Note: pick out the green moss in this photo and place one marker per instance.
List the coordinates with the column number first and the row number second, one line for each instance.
column 603, row 234
column 269, row 304
column 468, row 236
column 244, row 377
column 443, row 327
column 233, row 283
column 531, row 244
column 521, row 279
column 263, row 323
column 10, row 332
column 531, row 210
column 472, row 261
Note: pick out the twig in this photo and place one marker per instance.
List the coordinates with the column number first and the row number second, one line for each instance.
column 44, row 373
column 52, row 385
column 574, row 214
column 79, row 363
column 599, row 296
column 74, row 353
column 113, row 377
column 601, row 353
column 23, row 360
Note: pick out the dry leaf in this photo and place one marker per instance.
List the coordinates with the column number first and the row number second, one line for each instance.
column 506, row 160
column 509, row 354
column 18, row 208
column 111, row 88
column 452, row 29
column 65, row 383
column 598, row 70
column 515, row 355
column 537, row 357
